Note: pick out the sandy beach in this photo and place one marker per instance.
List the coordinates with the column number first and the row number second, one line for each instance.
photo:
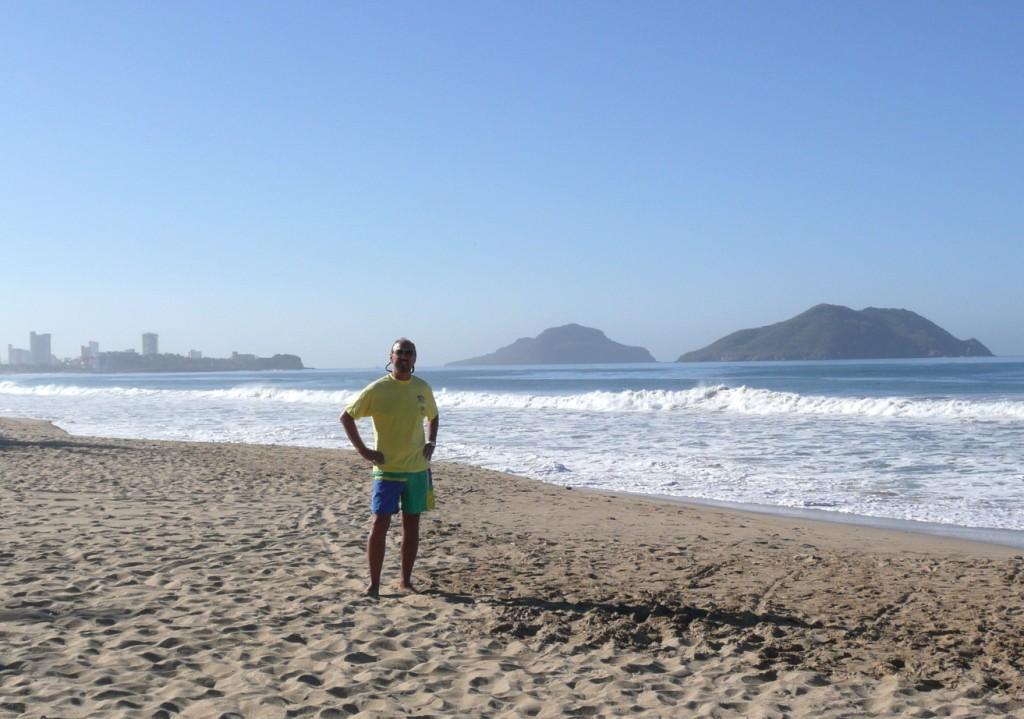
column 166, row 579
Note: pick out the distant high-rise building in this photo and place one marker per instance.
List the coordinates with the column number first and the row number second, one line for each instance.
column 90, row 351
column 17, row 356
column 40, row 348
column 150, row 342
column 195, row 354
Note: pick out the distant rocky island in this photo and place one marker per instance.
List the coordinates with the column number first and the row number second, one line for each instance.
column 568, row 344
column 833, row 332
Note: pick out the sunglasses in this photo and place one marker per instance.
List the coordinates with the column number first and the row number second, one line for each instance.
column 403, row 352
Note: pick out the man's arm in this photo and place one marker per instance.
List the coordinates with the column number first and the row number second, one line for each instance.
column 370, row 455
column 428, row 448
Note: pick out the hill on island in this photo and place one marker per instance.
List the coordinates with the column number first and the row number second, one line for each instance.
column 568, row 344
column 827, row 332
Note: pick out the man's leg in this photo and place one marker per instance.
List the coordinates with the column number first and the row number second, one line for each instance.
column 410, row 545
column 375, row 546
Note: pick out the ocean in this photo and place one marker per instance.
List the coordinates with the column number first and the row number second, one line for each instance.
column 937, row 441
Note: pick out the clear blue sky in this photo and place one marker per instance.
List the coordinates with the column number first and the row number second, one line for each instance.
column 319, row 178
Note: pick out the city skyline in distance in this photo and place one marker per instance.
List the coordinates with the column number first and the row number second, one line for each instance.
column 92, row 359
column 324, row 181
column 41, row 352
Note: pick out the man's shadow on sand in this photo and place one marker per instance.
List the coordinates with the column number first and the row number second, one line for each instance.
column 639, row 613
column 71, row 445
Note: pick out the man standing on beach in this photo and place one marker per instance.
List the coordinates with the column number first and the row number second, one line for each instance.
column 398, row 403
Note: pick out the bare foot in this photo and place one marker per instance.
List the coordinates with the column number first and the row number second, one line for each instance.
column 373, row 592
column 407, row 588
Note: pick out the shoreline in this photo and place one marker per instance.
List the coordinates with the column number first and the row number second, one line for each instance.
column 202, row 579
column 1012, row 538
column 982, row 535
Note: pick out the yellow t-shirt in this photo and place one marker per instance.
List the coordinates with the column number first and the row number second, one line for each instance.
column 398, row 409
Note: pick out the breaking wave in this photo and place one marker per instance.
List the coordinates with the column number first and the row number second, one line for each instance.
column 245, row 392
column 745, row 400
column 719, row 398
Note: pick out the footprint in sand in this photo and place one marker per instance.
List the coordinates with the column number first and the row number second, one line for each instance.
column 360, row 658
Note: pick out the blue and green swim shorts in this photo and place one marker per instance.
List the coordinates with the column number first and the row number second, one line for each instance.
column 414, row 491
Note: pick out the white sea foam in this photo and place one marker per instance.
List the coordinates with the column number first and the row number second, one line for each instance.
column 719, row 398
column 954, row 461
column 743, row 400
column 58, row 390
column 244, row 392
column 274, row 394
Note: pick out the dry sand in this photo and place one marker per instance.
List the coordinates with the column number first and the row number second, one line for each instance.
column 162, row 579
